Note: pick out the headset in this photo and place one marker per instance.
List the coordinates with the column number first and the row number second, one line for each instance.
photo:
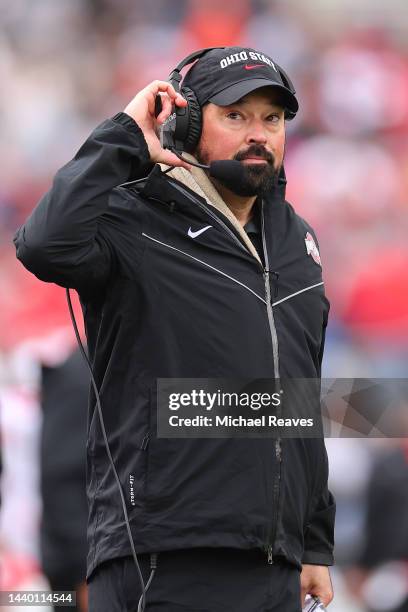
column 182, row 130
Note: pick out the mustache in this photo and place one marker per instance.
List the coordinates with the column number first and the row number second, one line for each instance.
column 255, row 151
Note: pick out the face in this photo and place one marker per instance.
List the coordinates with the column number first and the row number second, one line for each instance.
column 252, row 131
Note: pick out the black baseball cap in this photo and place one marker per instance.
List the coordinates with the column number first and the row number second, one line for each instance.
column 223, row 76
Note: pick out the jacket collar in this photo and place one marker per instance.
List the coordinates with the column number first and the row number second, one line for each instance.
column 197, row 180
column 281, row 187
column 159, row 187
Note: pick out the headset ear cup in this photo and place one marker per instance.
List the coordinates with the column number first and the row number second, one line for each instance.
column 194, row 126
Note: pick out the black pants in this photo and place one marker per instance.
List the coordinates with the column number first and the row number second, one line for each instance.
column 197, row 580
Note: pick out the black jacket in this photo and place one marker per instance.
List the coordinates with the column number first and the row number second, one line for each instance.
column 158, row 303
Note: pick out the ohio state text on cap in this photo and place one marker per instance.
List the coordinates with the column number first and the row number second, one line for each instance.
column 223, row 76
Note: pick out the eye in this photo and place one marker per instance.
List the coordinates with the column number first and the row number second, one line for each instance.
column 234, row 115
column 273, row 118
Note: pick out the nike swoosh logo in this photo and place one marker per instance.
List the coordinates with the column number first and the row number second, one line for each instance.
column 198, row 232
column 254, row 66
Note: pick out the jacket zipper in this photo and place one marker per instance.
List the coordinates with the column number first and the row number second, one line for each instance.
column 275, row 349
column 274, row 338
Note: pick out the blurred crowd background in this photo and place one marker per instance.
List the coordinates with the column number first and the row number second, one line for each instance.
column 65, row 66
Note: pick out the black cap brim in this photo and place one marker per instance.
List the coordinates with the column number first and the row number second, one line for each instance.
column 232, row 93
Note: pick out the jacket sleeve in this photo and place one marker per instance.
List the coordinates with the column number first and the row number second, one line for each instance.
column 319, row 534
column 60, row 241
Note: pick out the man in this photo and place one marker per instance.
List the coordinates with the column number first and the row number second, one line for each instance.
column 176, row 276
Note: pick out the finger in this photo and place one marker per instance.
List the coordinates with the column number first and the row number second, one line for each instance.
column 326, row 597
column 166, row 87
column 175, row 96
column 167, row 107
column 180, row 101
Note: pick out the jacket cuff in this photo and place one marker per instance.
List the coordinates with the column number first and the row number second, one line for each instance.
column 128, row 122
column 130, row 125
column 317, row 558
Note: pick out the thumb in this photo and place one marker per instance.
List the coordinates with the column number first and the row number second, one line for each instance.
column 171, row 159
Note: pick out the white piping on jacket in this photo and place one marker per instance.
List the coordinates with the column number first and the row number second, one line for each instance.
column 288, row 297
column 296, row 293
column 205, row 264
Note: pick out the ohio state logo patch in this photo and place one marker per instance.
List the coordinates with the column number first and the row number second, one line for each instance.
column 312, row 249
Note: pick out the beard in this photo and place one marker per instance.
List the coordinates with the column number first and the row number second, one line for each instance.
column 256, row 179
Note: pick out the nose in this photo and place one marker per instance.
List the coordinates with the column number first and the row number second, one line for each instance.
column 256, row 133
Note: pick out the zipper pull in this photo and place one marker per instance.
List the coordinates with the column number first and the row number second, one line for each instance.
column 266, row 273
column 270, row 556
